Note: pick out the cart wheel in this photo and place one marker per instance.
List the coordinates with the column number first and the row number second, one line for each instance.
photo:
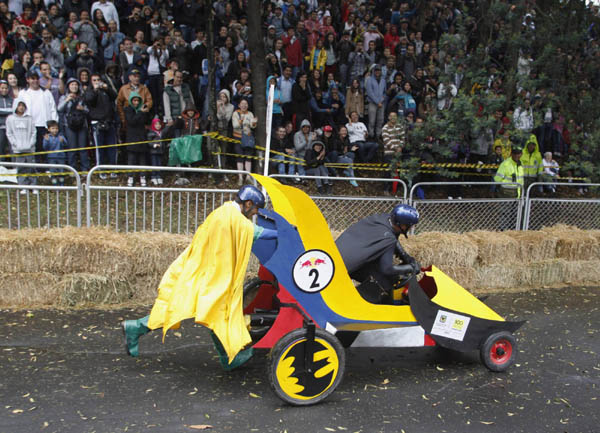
column 498, row 351
column 290, row 379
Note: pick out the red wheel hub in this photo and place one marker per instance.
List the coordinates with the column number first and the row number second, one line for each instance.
column 501, row 351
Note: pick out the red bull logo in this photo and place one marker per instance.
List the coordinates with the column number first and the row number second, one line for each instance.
column 312, row 263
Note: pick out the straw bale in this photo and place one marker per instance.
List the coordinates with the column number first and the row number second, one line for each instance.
column 84, row 289
column 494, row 247
column 575, row 244
column 28, row 289
column 448, row 250
column 534, row 246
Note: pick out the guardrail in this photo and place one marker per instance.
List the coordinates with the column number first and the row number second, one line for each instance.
column 549, row 211
column 182, row 209
column 462, row 215
column 53, row 210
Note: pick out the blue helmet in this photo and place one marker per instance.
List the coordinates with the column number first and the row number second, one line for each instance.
column 252, row 193
column 404, row 214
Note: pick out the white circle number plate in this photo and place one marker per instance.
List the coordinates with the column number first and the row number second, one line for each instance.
column 313, row 271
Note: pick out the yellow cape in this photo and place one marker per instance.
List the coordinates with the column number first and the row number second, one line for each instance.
column 206, row 281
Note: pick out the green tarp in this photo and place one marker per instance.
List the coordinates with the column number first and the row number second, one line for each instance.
column 185, row 150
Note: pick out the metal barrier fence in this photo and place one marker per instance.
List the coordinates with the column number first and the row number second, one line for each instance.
column 182, row 209
column 37, row 206
column 545, row 211
column 462, row 215
column 171, row 209
column 341, row 211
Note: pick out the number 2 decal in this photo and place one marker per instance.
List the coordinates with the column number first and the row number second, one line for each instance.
column 314, row 284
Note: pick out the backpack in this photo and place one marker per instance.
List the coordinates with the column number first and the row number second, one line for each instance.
column 75, row 117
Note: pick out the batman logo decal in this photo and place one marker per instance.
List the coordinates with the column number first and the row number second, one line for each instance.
column 296, row 380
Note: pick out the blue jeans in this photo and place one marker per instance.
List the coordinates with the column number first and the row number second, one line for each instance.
column 281, row 165
column 107, row 155
column 155, row 161
column 366, row 150
column 75, row 140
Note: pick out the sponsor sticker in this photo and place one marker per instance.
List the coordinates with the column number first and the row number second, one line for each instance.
column 450, row 325
column 313, row 271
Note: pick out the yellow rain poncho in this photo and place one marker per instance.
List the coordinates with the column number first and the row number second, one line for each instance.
column 206, row 281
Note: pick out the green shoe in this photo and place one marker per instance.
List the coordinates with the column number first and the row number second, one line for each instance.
column 240, row 359
column 132, row 331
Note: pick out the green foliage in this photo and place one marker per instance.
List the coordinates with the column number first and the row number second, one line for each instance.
column 565, row 79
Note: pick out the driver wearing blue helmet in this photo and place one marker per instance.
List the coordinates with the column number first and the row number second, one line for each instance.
column 199, row 261
column 368, row 248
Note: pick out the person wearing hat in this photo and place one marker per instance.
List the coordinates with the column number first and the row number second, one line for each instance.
column 176, row 96
column 205, row 282
column 276, row 21
column 315, row 166
column 134, row 85
column 511, row 174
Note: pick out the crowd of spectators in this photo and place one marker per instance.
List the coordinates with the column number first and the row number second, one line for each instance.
column 351, row 77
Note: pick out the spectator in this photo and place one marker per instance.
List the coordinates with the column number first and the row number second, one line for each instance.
column 355, row 100
column 111, row 40
column 68, row 46
column 136, row 113
column 358, row 134
column 109, row 11
column 243, row 123
column 224, row 114
column 87, row 31
column 157, row 149
column 53, row 142
column 286, row 83
column 54, row 85
column 340, row 151
column 277, row 112
column 301, row 99
column 40, row 106
column 157, row 58
column 357, row 62
column 73, row 120
column 303, row 140
column 123, row 98
column 375, row 86
column 281, row 144
column 176, row 96
column 128, row 57
column 13, row 85
column 523, row 116
column 6, row 104
column 293, row 50
column 318, row 56
column 315, row 166
column 100, row 98
column 550, row 172
column 21, row 135
column 50, row 48
column 532, row 162
column 85, row 57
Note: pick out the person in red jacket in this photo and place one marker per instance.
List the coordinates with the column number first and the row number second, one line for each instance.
column 293, row 50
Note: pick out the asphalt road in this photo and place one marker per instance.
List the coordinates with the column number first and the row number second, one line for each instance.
column 66, row 371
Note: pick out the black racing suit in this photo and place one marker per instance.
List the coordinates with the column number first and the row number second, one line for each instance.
column 368, row 248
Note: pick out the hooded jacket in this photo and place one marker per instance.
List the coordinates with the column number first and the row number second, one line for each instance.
column 532, row 161
column 20, row 130
column 136, row 125
column 312, row 155
column 100, row 103
column 301, row 142
column 6, row 109
column 156, row 148
column 276, row 95
column 224, row 112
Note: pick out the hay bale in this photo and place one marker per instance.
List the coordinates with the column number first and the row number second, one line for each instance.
column 575, row 244
column 90, row 289
column 28, row 289
column 534, row 246
column 449, row 250
column 496, row 277
column 494, row 247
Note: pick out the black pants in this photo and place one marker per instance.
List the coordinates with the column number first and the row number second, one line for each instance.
column 39, row 144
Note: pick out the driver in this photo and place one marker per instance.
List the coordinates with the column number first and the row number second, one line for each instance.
column 205, row 281
column 368, row 248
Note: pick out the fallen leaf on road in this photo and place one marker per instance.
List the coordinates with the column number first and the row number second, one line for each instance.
column 254, row 395
column 385, row 382
column 487, row 422
column 17, row 411
column 200, row 426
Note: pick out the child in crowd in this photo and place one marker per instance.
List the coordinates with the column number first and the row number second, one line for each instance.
column 136, row 114
column 156, row 150
column 21, row 135
column 54, row 141
column 550, row 172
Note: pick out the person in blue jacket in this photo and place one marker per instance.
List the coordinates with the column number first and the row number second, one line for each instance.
column 54, row 141
column 277, row 119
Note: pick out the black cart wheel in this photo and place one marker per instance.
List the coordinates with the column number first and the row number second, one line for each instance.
column 296, row 383
column 498, row 351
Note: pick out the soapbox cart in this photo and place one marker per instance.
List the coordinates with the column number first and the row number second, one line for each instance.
column 305, row 308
